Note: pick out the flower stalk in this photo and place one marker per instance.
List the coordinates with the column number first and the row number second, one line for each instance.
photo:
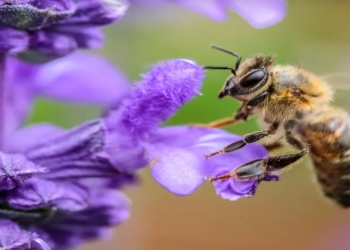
column 2, row 100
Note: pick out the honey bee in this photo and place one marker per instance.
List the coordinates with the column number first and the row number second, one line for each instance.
column 293, row 105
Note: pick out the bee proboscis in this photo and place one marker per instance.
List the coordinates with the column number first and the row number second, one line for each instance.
column 294, row 106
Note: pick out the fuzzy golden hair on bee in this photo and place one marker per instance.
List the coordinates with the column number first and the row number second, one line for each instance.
column 294, row 107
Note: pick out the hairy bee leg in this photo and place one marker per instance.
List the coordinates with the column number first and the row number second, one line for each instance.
column 217, row 124
column 257, row 169
column 242, row 114
column 246, row 140
column 249, row 171
column 273, row 146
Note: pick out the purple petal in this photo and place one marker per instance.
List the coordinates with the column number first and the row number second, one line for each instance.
column 106, row 208
column 49, row 42
column 82, row 78
column 176, row 164
column 87, row 38
column 31, row 135
column 123, row 149
column 260, row 14
column 176, row 156
column 177, row 170
column 37, row 242
column 61, row 40
column 19, row 94
column 13, row 237
column 164, row 89
column 75, row 154
column 38, row 193
column 213, row 9
column 98, row 12
column 15, row 169
column 114, row 182
column 13, row 40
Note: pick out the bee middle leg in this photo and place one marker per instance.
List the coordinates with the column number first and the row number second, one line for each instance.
column 250, row 138
column 257, row 169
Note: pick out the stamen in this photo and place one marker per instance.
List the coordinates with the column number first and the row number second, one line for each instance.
column 2, row 101
column 42, row 244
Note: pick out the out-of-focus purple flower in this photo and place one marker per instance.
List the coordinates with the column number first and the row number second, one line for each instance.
column 259, row 13
column 40, row 193
column 15, row 169
column 55, row 27
column 57, row 175
column 62, row 228
column 105, row 208
column 74, row 78
column 12, row 237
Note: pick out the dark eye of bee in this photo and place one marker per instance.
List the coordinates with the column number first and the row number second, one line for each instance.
column 253, row 78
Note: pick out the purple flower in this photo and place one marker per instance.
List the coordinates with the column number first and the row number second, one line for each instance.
column 55, row 27
column 129, row 138
column 74, row 78
column 105, row 208
column 178, row 164
column 62, row 185
column 49, row 175
column 57, row 226
column 15, row 169
column 175, row 154
column 12, row 237
column 260, row 14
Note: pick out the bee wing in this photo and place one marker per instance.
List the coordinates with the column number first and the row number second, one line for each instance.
column 340, row 82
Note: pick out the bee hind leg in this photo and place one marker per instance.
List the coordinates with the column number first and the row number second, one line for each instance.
column 257, row 169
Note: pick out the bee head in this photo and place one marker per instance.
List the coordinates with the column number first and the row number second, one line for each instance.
column 246, row 78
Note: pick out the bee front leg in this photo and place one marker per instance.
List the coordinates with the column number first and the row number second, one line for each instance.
column 241, row 115
column 254, row 137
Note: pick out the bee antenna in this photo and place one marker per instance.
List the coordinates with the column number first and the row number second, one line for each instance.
column 233, row 71
column 239, row 58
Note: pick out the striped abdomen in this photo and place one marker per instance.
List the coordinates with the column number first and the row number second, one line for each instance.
column 328, row 134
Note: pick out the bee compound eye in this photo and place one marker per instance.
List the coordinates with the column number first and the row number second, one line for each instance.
column 253, row 78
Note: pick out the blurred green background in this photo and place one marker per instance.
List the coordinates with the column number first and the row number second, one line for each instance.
column 290, row 214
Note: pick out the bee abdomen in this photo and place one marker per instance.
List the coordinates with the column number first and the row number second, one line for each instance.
column 335, row 181
column 327, row 131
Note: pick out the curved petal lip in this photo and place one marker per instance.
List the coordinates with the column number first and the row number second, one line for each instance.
column 210, row 8
column 260, row 14
column 177, row 170
column 81, row 77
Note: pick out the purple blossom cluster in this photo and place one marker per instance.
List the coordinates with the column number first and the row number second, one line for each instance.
column 62, row 187
column 55, row 27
